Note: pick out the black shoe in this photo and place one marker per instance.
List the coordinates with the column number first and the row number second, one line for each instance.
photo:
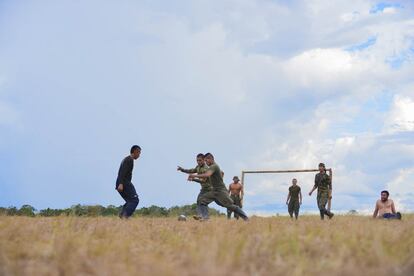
column 331, row 215
column 398, row 215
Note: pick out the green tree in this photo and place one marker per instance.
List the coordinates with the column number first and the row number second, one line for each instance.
column 3, row 211
column 79, row 210
column 111, row 210
column 94, row 210
column 26, row 210
column 12, row 211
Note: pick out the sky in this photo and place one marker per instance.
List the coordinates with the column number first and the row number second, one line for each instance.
column 261, row 84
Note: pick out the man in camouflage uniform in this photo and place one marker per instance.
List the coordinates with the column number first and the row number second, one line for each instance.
column 324, row 185
column 219, row 194
column 294, row 199
column 204, row 182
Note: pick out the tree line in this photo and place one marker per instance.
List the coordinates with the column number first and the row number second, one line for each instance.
column 99, row 210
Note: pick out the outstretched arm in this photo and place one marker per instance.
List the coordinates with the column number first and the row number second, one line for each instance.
column 203, row 175
column 189, row 171
column 196, row 180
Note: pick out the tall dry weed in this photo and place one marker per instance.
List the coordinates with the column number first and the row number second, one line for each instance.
column 347, row 245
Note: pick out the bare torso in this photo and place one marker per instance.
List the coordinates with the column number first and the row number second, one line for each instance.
column 385, row 207
column 235, row 188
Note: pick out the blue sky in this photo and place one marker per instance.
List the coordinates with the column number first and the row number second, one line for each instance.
column 261, row 84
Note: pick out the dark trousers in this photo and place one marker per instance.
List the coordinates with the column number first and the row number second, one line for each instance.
column 199, row 208
column 293, row 208
column 237, row 201
column 131, row 200
column 392, row 216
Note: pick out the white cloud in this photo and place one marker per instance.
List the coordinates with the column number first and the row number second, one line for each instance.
column 320, row 66
column 273, row 82
column 402, row 189
column 389, row 10
column 401, row 116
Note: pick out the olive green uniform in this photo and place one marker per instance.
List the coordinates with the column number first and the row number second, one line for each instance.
column 293, row 206
column 205, row 183
column 237, row 201
column 324, row 185
column 219, row 194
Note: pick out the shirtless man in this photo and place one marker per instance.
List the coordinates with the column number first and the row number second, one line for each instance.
column 236, row 193
column 384, row 208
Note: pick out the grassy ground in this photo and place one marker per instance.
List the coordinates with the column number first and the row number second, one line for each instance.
column 347, row 245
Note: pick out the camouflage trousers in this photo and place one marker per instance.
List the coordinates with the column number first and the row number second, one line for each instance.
column 237, row 201
column 322, row 200
column 220, row 197
column 199, row 197
column 293, row 208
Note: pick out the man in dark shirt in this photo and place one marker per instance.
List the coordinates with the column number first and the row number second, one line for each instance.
column 324, row 185
column 204, row 182
column 124, row 185
column 294, row 199
column 219, row 194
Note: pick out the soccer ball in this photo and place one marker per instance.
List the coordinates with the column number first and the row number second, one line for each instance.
column 182, row 218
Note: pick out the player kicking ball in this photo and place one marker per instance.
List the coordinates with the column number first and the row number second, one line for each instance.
column 219, row 194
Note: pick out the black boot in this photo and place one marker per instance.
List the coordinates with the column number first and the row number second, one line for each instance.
column 204, row 212
column 329, row 214
column 241, row 213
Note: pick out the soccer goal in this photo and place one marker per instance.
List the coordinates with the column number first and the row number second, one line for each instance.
column 243, row 173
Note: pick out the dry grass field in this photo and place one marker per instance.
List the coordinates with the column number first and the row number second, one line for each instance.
column 347, row 245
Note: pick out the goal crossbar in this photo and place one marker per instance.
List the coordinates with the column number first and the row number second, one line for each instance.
column 276, row 171
column 280, row 171
column 283, row 171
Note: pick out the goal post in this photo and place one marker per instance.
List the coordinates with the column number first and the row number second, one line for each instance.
column 243, row 173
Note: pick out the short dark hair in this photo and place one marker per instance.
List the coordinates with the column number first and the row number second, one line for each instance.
column 321, row 165
column 200, row 155
column 134, row 148
column 385, row 192
column 208, row 155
